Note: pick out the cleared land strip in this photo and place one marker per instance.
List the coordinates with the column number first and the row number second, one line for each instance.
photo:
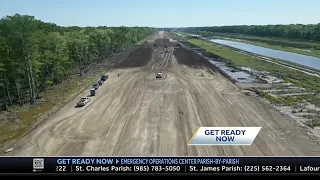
column 137, row 114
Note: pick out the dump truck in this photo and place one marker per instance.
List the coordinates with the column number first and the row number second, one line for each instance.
column 83, row 101
column 92, row 92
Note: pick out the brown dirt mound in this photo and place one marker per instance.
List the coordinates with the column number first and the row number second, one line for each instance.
column 138, row 58
column 190, row 58
column 162, row 42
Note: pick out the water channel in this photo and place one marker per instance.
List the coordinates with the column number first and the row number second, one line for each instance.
column 308, row 61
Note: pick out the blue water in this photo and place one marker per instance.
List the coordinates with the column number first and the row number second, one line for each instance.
column 308, row 61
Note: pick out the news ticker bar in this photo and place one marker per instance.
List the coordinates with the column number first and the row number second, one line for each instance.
column 160, row 165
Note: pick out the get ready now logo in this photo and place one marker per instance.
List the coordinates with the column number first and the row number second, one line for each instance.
column 224, row 136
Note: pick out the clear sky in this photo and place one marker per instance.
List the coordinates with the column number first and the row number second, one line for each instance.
column 166, row 13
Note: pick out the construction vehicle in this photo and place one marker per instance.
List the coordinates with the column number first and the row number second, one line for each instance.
column 159, row 75
column 100, row 82
column 104, row 77
column 95, row 86
column 83, row 101
column 92, row 92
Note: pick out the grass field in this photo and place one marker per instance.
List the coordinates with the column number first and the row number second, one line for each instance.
column 22, row 117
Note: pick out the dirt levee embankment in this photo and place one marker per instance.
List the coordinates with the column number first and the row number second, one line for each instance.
column 162, row 42
column 138, row 58
column 191, row 58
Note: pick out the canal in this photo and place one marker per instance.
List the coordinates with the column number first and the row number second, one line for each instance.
column 308, row 61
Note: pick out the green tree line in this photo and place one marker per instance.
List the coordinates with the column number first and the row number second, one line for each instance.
column 296, row 31
column 35, row 55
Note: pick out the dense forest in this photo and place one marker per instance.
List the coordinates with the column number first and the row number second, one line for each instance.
column 296, row 31
column 35, row 55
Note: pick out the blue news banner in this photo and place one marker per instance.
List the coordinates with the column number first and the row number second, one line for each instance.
column 213, row 165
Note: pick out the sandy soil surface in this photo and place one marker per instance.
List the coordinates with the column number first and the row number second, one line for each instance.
column 135, row 114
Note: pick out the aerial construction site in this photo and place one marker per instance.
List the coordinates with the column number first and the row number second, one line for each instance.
column 136, row 114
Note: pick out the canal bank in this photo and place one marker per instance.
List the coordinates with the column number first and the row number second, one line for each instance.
column 292, row 92
column 294, row 58
column 308, row 48
column 288, row 64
